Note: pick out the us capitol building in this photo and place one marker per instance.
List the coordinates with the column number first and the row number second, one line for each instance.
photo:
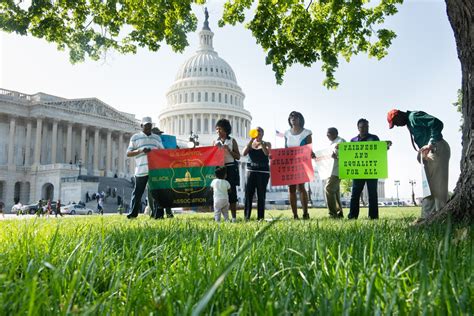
column 205, row 90
column 48, row 141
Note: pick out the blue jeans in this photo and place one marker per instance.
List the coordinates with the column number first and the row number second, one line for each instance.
column 357, row 187
column 136, row 204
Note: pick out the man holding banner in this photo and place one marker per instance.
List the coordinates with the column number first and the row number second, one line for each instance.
column 425, row 131
column 332, row 188
column 358, row 184
column 140, row 144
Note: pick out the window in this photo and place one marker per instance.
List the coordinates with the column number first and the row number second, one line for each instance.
column 180, row 98
column 213, row 97
column 198, row 127
column 199, row 96
column 220, row 97
column 186, row 98
column 205, row 97
column 192, row 96
column 226, row 98
column 231, row 99
column 206, row 125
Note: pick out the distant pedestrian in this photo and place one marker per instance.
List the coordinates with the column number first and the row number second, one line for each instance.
column 100, row 206
column 58, row 208
column 2, row 208
column 17, row 207
column 88, row 198
column 48, row 208
column 40, row 210
column 220, row 188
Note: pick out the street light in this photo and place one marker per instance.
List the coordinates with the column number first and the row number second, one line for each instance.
column 397, row 183
column 413, row 182
column 79, row 164
column 193, row 140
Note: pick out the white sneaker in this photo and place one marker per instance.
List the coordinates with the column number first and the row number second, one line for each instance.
column 233, row 220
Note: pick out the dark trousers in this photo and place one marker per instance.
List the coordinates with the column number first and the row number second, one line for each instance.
column 256, row 181
column 357, row 187
column 136, row 204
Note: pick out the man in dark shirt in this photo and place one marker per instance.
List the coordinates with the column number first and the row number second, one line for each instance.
column 358, row 184
column 432, row 148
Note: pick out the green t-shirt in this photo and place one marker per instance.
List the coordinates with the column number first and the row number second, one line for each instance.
column 426, row 129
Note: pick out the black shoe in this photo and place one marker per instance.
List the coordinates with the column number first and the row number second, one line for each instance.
column 306, row 216
column 130, row 216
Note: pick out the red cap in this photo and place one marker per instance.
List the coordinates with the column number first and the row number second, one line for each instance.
column 390, row 116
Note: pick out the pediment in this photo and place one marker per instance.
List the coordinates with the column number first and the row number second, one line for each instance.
column 94, row 106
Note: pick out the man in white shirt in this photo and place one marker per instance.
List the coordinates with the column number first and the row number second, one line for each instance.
column 332, row 188
column 140, row 144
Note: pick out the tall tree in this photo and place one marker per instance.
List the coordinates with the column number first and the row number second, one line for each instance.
column 290, row 31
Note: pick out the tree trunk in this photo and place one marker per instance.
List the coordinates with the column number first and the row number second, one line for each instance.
column 461, row 204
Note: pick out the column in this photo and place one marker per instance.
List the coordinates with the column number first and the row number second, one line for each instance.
column 83, row 153
column 108, row 154
column 69, row 143
column 211, row 128
column 28, row 144
column 202, row 123
column 11, row 144
column 96, row 150
column 121, row 154
column 39, row 127
column 54, row 143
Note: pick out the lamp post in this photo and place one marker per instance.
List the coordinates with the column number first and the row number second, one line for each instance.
column 193, row 140
column 413, row 182
column 79, row 164
column 397, row 183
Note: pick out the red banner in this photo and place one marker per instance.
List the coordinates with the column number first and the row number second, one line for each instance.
column 291, row 165
column 185, row 158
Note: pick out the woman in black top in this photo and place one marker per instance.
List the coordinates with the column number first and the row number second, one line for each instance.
column 258, row 173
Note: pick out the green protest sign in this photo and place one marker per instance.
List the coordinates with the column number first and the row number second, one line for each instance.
column 363, row 160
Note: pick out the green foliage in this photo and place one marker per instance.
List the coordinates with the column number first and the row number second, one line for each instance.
column 458, row 105
column 110, row 265
column 90, row 27
column 290, row 31
column 294, row 31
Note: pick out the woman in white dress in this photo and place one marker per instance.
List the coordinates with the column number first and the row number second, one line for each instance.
column 296, row 136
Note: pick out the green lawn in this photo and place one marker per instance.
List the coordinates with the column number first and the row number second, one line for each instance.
column 111, row 265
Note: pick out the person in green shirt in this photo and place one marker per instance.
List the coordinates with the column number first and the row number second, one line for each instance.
column 425, row 131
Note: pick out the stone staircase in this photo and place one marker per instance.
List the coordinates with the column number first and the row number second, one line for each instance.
column 113, row 188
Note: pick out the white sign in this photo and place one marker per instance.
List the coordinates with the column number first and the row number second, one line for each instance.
column 424, row 181
column 324, row 162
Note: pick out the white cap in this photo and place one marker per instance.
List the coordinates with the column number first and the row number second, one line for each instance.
column 146, row 120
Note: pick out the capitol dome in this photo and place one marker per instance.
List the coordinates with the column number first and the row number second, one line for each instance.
column 205, row 90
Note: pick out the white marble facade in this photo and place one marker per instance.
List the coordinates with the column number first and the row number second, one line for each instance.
column 47, row 139
column 205, row 90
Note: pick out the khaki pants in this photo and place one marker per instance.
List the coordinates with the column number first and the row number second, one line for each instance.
column 333, row 196
column 437, row 172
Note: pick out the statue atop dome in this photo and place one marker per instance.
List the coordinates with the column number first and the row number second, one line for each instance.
column 206, row 21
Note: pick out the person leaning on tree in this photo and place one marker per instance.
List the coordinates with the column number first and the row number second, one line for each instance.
column 140, row 144
column 332, row 187
column 425, row 132
column 297, row 136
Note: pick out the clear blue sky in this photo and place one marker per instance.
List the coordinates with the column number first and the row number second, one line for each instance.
column 421, row 72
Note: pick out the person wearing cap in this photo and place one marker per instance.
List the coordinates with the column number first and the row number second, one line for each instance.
column 425, row 131
column 358, row 184
column 332, row 187
column 156, row 210
column 140, row 144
